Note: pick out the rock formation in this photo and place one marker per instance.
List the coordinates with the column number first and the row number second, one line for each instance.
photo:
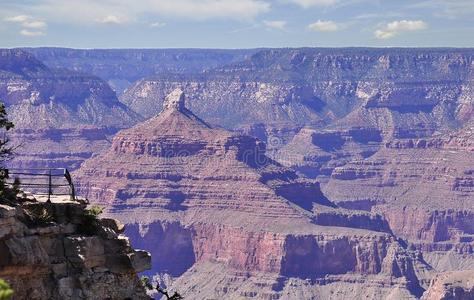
column 203, row 199
column 451, row 285
column 59, row 251
column 121, row 67
column 316, row 153
column 423, row 188
column 68, row 115
column 390, row 89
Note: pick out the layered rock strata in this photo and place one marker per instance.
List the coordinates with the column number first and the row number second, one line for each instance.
column 197, row 196
column 61, row 117
column 56, row 251
column 423, row 188
column 451, row 285
column 402, row 92
column 121, row 67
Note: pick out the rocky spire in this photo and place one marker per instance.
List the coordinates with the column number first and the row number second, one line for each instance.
column 175, row 100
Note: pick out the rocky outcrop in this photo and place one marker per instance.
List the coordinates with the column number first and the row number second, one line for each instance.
column 194, row 195
column 451, row 285
column 316, row 153
column 58, row 251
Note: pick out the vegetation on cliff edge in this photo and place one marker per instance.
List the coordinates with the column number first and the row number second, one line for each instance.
column 5, row 291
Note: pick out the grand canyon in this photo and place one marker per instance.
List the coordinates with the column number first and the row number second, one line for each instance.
column 292, row 173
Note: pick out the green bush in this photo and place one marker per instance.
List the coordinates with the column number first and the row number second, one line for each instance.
column 146, row 283
column 90, row 220
column 5, row 291
column 95, row 211
column 38, row 215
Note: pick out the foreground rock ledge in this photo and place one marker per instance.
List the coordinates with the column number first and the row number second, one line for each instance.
column 57, row 251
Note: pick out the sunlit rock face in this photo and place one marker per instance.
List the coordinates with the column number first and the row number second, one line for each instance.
column 197, row 196
column 61, row 117
column 424, row 90
column 451, row 285
column 53, row 251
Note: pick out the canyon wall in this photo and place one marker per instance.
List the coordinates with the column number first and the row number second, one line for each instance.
column 61, row 117
column 386, row 134
column 199, row 196
column 121, row 67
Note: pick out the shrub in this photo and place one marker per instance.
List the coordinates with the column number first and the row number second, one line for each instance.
column 38, row 215
column 90, row 220
column 5, row 291
column 145, row 281
column 95, row 211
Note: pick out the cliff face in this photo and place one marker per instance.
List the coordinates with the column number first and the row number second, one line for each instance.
column 451, row 285
column 121, row 67
column 55, row 251
column 316, row 153
column 388, row 89
column 68, row 114
column 422, row 186
column 196, row 196
column 36, row 94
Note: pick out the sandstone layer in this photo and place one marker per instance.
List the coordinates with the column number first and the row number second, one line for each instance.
column 197, row 197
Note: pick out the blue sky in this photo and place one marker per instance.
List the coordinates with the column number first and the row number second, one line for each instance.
column 236, row 23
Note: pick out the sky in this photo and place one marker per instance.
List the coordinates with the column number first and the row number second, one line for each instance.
column 236, row 23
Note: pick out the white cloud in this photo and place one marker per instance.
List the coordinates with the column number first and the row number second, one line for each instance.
column 88, row 11
column 280, row 25
column 158, row 24
column 394, row 28
column 30, row 26
column 29, row 33
column 112, row 19
column 324, row 26
column 34, row 24
column 17, row 19
column 310, row 3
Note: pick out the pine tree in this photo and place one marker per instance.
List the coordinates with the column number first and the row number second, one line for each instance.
column 7, row 194
column 5, row 125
